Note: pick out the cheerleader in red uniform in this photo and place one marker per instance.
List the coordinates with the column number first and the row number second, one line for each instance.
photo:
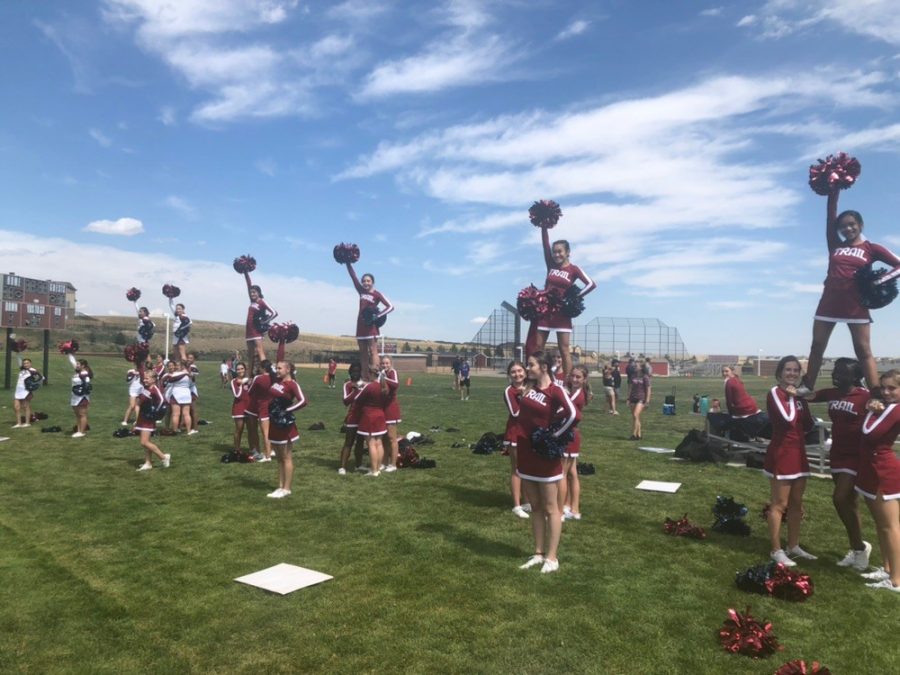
column 28, row 377
column 786, row 464
column 150, row 399
column 847, row 401
column 570, row 487
column 369, row 315
column 257, row 411
column 392, row 415
column 194, row 372
column 878, row 479
column 259, row 316
column 848, row 251
column 561, row 275
column 371, row 400
column 285, row 397
column 239, row 385
column 542, row 403
column 351, row 421
column 81, row 394
column 133, row 380
column 515, row 371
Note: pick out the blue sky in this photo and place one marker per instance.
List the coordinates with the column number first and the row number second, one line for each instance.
column 152, row 141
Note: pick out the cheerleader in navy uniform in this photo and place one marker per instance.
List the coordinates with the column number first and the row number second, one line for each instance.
column 150, row 401
column 259, row 316
column 570, row 486
column 561, row 276
column 286, row 397
column 878, row 479
column 371, row 400
column 543, row 403
column 133, row 380
column 369, row 318
column 848, row 251
column 181, row 329
column 847, row 401
column 27, row 382
column 350, row 391
column 81, row 394
column 392, row 417
column 515, row 371
column 786, row 463
column 239, row 385
column 145, row 327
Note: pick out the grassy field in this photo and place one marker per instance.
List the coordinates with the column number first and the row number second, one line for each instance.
column 106, row 570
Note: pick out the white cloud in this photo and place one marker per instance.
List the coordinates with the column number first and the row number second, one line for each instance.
column 267, row 166
column 100, row 137
column 877, row 19
column 478, row 320
column 712, row 11
column 125, row 227
column 167, row 116
column 730, row 304
column 182, row 206
column 577, row 27
column 748, row 20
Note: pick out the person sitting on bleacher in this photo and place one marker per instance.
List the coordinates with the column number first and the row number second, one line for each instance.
column 744, row 420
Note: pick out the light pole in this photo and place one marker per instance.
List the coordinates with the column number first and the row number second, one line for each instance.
column 759, row 364
column 167, row 337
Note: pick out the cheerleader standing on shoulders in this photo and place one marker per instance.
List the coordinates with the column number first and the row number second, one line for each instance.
column 543, row 403
column 259, row 316
column 257, row 411
column 369, row 318
column 133, row 380
column 151, row 399
column 561, row 276
column 848, row 251
column 81, row 394
column 371, row 400
column 145, row 327
column 239, row 386
column 286, row 397
column 179, row 380
column 392, row 417
column 570, row 486
column 28, row 377
column 351, row 420
column 786, row 464
column 847, row 401
column 194, row 372
column 878, row 479
column 515, row 372
column 181, row 328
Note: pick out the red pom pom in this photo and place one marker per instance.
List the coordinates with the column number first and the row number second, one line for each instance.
column 68, row 347
column 137, row 353
column 800, row 667
column 171, row 291
column 533, row 303
column 291, row 332
column 284, row 332
column 789, row 585
column 742, row 634
column 346, row 253
column 835, row 172
column 133, row 294
column 276, row 332
column 244, row 264
column 18, row 346
column 544, row 213
column 683, row 528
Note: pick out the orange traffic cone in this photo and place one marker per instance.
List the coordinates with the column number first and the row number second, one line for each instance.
column 408, row 381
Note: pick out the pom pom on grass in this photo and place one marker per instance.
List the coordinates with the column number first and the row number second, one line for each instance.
column 683, row 528
column 544, row 213
column 835, row 172
column 244, row 264
column 801, row 667
column 742, row 634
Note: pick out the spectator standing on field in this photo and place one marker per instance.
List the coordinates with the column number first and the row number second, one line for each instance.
column 463, row 378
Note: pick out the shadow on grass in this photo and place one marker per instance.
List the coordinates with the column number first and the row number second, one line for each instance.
column 473, row 542
column 489, row 499
column 263, row 482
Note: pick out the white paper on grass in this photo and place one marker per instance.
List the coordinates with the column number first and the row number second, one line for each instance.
column 284, row 578
column 658, row 451
column 4, row 438
column 658, row 486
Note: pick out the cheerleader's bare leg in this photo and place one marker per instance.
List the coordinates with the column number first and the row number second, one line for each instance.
column 780, row 492
column 861, row 333
column 182, row 351
column 186, row 416
column 267, row 444
column 285, row 465
column 395, row 443
column 887, row 522
column 252, row 433
column 365, row 357
column 17, row 404
column 562, row 492
column 176, row 417
column 515, row 483
column 132, row 406
column 845, row 503
column 349, row 439
column 538, row 521
column 795, row 511
column 574, row 486
column 552, row 515
column 821, row 334
column 563, row 341
column 150, row 448
column 540, row 340
column 239, row 433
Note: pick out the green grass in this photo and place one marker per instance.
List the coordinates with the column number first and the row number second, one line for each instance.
column 106, row 570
